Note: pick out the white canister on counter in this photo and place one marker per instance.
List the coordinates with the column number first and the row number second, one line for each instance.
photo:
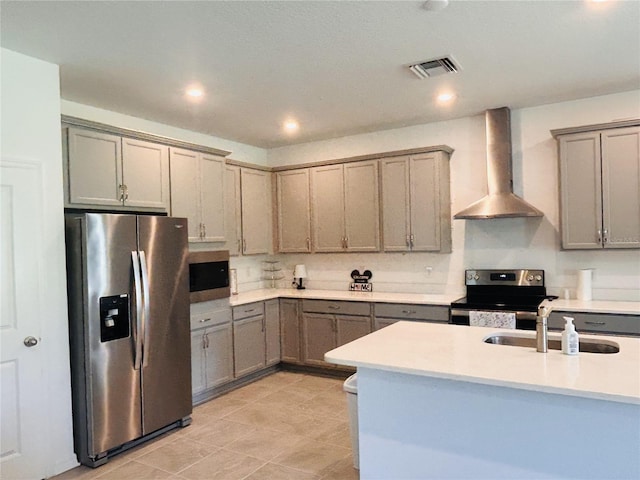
column 585, row 284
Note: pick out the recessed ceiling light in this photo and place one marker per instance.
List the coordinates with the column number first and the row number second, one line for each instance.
column 194, row 92
column 446, row 97
column 291, row 126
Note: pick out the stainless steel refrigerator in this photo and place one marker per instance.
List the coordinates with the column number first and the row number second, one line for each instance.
column 128, row 291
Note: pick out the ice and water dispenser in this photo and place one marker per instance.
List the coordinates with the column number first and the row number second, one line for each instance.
column 114, row 317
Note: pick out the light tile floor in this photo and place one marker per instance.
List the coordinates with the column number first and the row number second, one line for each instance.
column 285, row 426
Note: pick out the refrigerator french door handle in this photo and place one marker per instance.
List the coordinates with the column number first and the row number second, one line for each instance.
column 145, row 319
column 138, row 291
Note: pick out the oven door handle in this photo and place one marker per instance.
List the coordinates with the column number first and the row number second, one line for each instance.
column 459, row 313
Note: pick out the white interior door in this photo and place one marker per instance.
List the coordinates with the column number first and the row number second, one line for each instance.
column 23, row 400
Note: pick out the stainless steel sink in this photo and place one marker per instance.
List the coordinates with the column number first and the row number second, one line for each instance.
column 586, row 345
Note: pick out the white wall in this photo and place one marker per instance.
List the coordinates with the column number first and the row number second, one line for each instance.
column 499, row 243
column 239, row 151
column 31, row 133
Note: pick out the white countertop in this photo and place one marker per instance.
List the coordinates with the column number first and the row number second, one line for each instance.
column 459, row 353
column 594, row 306
column 382, row 297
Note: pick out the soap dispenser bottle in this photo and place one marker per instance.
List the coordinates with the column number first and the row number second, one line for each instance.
column 570, row 338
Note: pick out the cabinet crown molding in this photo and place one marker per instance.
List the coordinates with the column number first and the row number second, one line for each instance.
column 595, row 127
column 68, row 120
column 370, row 156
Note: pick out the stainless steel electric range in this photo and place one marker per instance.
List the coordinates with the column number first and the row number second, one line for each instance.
column 517, row 291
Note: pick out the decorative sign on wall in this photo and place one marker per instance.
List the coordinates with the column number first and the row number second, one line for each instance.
column 361, row 281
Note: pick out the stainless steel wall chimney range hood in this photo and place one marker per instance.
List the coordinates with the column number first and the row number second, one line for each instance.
column 501, row 202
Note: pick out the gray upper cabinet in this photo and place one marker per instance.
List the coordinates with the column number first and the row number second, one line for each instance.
column 293, row 211
column 105, row 170
column 233, row 209
column 345, row 209
column 145, row 174
column 416, row 212
column 256, row 211
column 197, row 193
column 600, row 188
column 327, row 203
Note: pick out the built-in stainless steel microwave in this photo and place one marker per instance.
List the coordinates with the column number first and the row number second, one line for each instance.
column 208, row 275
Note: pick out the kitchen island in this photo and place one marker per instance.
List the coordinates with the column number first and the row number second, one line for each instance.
column 435, row 401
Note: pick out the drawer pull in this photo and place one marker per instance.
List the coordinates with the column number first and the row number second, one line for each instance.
column 250, row 310
column 202, row 320
column 408, row 312
column 590, row 322
column 334, row 307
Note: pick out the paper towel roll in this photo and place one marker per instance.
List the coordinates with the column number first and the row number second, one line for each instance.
column 583, row 291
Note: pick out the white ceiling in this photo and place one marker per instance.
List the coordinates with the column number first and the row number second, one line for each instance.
column 338, row 67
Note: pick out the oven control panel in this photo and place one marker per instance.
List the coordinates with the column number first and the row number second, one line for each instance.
column 533, row 278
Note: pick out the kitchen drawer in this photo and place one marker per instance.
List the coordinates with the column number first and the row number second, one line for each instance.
column 431, row 313
column 248, row 310
column 210, row 318
column 598, row 323
column 337, row 307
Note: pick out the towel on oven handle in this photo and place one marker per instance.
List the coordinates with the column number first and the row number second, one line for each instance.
column 492, row 319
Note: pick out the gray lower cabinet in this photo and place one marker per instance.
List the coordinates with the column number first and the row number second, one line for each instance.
column 248, row 338
column 598, row 323
column 387, row 313
column 272, row 331
column 290, row 330
column 256, row 336
column 327, row 325
column 211, row 349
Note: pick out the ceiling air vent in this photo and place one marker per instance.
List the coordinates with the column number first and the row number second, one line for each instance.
column 433, row 68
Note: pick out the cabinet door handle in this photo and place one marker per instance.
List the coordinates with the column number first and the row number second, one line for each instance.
column 126, row 193
column 244, row 245
column 411, row 238
column 605, row 236
column 121, row 188
column 408, row 240
column 263, row 323
column 346, row 242
column 599, row 236
column 591, row 322
column 239, row 245
column 204, row 230
column 308, row 244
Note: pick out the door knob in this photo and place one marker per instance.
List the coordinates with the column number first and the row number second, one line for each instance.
column 30, row 341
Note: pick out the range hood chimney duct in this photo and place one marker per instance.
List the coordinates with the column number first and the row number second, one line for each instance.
column 501, row 202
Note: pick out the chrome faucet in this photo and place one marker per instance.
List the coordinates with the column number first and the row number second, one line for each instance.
column 542, row 338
